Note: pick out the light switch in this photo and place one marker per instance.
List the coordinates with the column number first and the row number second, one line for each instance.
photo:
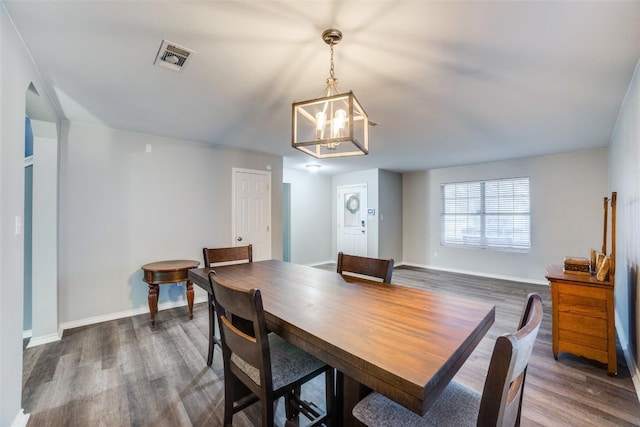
column 19, row 225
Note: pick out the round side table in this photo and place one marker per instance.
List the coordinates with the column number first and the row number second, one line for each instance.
column 166, row 272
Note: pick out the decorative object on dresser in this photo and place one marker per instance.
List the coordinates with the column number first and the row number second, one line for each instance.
column 583, row 310
column 577, row 265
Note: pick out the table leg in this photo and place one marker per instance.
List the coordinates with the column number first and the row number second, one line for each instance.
column 349, row 393
column 153, row 302
column 190, row 298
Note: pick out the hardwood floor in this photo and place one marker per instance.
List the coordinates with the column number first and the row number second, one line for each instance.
column 127, row 373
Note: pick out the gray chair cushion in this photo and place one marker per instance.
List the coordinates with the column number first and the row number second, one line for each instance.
column 288, row 363
column 457, row 406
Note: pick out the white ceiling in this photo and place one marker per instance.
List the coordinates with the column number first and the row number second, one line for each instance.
column 449, row 82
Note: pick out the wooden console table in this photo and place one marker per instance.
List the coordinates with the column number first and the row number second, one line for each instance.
column 583, row 317
column 166, row 272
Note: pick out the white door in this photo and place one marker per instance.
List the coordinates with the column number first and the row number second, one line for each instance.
column 251, row 211
column 352, row 219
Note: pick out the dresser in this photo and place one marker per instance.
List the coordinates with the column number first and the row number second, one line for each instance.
column 583, row 317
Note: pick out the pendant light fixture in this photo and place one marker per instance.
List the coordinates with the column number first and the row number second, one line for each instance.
column 333, row 125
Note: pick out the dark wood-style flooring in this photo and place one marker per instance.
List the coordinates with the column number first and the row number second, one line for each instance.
column 128, row 373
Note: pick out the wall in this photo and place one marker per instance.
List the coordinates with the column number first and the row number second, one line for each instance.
column 369, row 177
column 28, row 215
column 389, row 215
column 624, row 167
column 310, row 217
column 16, row 73
column 45, row 233
column 566, row 214
column 121, row 207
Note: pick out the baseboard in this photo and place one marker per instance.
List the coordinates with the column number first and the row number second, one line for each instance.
column 315, row 264
column 26, row 334
column 631, row 363
column 127, row 313
column 476, row 273
column 44, row 339
column 20, row 420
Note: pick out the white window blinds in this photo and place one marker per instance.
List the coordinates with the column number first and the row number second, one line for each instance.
column 487, row 214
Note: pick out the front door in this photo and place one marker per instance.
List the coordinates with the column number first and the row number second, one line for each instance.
column 252, row 211
column 352, row 219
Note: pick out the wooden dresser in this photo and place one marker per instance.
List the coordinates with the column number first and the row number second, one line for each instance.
column 583, row 317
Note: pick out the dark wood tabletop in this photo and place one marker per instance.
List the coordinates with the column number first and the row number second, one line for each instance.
column 403, row 342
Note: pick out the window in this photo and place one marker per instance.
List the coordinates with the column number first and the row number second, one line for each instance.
column 487, row 214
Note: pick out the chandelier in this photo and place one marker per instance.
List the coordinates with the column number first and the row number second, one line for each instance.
column 333, row 125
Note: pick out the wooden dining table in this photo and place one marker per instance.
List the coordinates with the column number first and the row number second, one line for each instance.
column 403, row 342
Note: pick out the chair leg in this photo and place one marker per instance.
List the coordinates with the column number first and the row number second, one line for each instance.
column 228, row 399
column 291, row 399
column 268, row 411
column 212, row 341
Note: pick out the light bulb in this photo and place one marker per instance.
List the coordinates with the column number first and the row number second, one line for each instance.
column 338, row 122
column 321, row 121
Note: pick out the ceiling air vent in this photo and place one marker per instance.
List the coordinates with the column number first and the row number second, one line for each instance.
column 173, row 56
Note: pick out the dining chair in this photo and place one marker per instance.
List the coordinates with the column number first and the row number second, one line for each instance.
column 501, row 400
column 262, row 366
column 372, row 267
column 216, row 257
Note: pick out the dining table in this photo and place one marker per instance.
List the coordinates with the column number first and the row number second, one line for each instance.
column 403, row 342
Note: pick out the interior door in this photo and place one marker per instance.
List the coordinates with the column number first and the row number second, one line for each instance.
column 252, row 211
column 352, row 219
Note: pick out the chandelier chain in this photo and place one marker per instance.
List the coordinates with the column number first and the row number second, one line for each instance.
column 331, row 69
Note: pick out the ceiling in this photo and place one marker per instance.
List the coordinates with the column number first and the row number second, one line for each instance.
column 449, row 82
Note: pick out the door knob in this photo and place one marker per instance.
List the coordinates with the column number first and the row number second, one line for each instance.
column 239, row 239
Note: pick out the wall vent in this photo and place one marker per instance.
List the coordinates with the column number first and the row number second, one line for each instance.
column 173, row 56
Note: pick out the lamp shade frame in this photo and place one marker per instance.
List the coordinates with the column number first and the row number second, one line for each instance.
column 304, row 133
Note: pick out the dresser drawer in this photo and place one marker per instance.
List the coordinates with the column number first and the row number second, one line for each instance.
column 587, row 325
column 583, row 340
column 582, row 305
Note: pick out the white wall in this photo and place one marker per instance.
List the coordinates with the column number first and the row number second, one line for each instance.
column 121, row 207
column 16, row 72
column 624, row 167
column 310, row 217
column 389, row 215
column 45, row 233
column 567, row 191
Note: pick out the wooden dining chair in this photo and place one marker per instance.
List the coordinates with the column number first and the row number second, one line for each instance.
column 262, row 366
column 216, row 257
column 372, row 267
column 501, row 400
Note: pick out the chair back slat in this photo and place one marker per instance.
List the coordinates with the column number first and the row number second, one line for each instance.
column 502, row 396
column 216, row 256
column 373, row 267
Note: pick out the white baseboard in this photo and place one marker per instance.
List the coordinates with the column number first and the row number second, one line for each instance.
column 44, row 339
column 26, row 334
column 476, row 273
column 631, row 363
column 127, row 313
column 20, row 420
column 315, row 264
